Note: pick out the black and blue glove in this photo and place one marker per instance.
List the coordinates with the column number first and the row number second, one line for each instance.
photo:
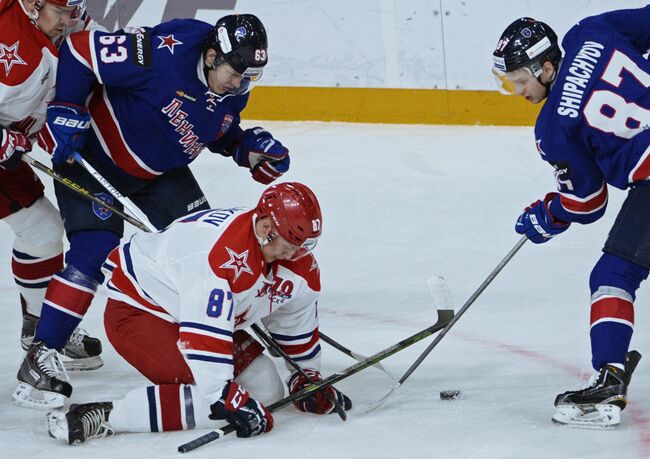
column 65, row 130
column 265, row 156
column 537, row 222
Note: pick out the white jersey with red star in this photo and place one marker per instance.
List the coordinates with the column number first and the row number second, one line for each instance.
column 28, row 63
column 206, row 273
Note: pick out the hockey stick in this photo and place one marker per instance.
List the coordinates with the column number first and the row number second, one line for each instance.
column 348, row 352
column 270, row 342
column 455, row 319
column 439, row 292
column 82, row 191
column 116, row 194
column 444, row 318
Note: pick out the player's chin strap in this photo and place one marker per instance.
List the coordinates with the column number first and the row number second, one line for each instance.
column 261, row 240
column 550, row 84
column 31, row 14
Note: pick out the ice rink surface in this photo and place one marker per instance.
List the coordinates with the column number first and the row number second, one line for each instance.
column 400, row 204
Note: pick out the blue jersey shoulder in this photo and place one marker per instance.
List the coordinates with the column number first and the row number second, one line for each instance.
column 179, row 42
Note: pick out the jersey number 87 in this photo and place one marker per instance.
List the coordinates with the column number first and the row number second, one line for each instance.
column 216, row 303
column 609, row 111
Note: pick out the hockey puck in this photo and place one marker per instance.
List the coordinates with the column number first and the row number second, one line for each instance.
column 450, row 395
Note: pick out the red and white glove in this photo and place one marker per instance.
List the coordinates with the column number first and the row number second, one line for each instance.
column 237, row 407
column 318, row 402
column 12, row 146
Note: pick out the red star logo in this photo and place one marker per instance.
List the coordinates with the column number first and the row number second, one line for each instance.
column 169, row 42
column 9, row 56
column 241, row 317
column 238, row 262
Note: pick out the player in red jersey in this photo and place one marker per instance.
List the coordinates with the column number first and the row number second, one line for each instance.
column 29, row 33
column 179, row 303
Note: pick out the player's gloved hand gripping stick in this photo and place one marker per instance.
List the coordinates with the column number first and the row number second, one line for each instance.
column 444, row 318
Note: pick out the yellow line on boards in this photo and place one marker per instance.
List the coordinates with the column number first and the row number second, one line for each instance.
column 380, row 105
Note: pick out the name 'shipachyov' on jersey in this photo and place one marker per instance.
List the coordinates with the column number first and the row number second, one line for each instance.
column 594, row 126
column 152, row 82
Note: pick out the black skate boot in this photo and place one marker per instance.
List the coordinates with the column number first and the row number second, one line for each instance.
column 599, row 405
column 81, row 352
column 81, row 422
column 28, row 331
column 42, row 370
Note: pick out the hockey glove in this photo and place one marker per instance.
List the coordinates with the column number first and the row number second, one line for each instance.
column 266, row 157
column 65, row 130
column 236, row 406
column 12, row 146
column 318, row 402
column 538, row 224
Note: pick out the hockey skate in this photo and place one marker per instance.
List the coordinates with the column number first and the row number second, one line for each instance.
column 81, row 352
column 599, row 405
column 81, row 422
column 42, row 370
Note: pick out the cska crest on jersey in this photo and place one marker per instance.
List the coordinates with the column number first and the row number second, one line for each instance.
column 9, row 56
column 238, row 263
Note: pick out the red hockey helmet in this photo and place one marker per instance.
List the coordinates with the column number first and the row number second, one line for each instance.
column 74, row 3
column 78, row 5
column 295, row 213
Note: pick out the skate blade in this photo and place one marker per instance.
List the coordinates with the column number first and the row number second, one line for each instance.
column 57, row 425
column 85, row 364
column 602, row 417
column 23, row 397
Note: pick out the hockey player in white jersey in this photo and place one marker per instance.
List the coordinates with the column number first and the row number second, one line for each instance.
column 179, row 302
column 30, row 31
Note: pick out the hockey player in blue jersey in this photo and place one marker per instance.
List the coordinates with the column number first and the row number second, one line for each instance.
column 140, row 105
column 593, row 129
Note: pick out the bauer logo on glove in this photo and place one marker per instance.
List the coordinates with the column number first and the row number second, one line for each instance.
column 64, row 133
column 537, row 222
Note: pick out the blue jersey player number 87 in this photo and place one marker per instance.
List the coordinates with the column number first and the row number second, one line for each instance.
column 593, row 129
column 609, row 111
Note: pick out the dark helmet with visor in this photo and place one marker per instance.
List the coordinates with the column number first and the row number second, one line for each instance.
column 240, row 41
column 526, row 43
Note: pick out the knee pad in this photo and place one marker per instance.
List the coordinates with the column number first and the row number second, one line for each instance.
column 614, row 271
column 245, row 349
column 262, row 380
column 38, row 229
column 89, row 249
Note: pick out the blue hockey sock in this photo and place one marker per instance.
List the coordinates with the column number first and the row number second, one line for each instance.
column 67, row 299
column 613, row 282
